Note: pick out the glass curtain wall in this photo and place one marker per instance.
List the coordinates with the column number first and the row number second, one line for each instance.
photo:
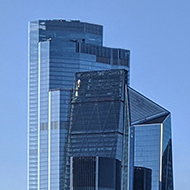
column 53, row 61
column 33, row 106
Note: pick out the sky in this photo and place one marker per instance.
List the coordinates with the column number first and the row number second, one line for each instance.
column 156, row 32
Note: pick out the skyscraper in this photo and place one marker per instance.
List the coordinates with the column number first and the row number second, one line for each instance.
column 151, row 126
column 109, row 119
column 86, row 127
column 99, row 128
column 58, row 49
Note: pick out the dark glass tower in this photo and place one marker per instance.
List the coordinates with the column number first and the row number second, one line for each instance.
column 99, row 128
column 57, row 50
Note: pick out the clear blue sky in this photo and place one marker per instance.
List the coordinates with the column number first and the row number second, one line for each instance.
column 158, row 35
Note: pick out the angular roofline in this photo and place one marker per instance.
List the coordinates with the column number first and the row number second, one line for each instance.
column 164, row 113
column 148, row 99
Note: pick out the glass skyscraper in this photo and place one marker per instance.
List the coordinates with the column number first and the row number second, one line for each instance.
column 99, row 127
column 151, row 127
column 57, row 50
column 86, row 127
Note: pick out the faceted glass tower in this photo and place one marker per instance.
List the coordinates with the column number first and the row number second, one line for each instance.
column 151, row 128
column 57, row 50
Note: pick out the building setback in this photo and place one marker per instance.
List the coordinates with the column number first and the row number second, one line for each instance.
column 86, row 126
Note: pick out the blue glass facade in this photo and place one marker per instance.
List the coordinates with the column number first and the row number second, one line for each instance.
column 57, row 50
column 98, row 121
column 151, row 126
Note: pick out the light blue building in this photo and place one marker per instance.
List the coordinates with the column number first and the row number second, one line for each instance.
column 57, row 50
column 151, row 128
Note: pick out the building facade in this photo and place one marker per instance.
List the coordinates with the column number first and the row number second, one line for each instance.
column 151, row 127
column 99, row 127
column 57, row 50
column 90, row 121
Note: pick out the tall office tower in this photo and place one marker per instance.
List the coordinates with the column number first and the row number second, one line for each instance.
column 99, row 138
column 152, row 139
column 58, row 49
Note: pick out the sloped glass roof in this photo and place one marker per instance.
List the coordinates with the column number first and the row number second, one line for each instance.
column 144, row 110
